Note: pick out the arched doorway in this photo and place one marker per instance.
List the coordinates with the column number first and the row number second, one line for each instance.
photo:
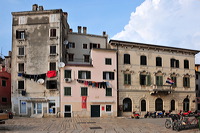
column 172, row 105
column 143, row 105
column 127, row 105
column 186, row 104
column 159, row 104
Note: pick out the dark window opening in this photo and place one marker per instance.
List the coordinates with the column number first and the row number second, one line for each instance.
column 127, row 105
column 84, row 91
column 20, row 84
column 51, row 84
column 86, row 58
column 186, row 64
column 158, row 61
column 94, row 45
column 67, row 91
column 84, row 46
column 4, row 83
column 70, row 57
column 108, row 75
column 143, row 105
column 108, row 61
column 143, row 60
column 52, row 32
column 52, row 66
column 21, row 67
column 84, row 74
column 108, row 91
column 67, row 73
column 20, row 34
column 126, row 59
column 52, row 49
column 21, row 51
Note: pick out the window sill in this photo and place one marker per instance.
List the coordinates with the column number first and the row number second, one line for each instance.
column 53, row 37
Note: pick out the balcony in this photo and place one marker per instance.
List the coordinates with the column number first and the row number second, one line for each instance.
column 164, row 89
column 78, row 61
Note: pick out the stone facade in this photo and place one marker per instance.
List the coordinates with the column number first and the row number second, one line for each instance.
column 148, row 67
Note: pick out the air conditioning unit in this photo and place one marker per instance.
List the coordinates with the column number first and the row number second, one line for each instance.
column 68, row 80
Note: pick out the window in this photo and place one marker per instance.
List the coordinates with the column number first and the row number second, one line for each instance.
column 159, row 104
column 158, row 61
column 86, row 58
column 52, row 66
column 108, row 108
column 94, row 45
column 71, row 45
column 4, row 83
column 52, row 49
column 70, row 57
column 186, row 105
column 186, row 81
column 186, row 64
column 67, row 91
column 84, row 46
column 67, row 73
column 84, row 91
column 108, row 91
column 20, row 84
column 108, row 75
column 20, row 34
column 21, row 51
column 145, row 79
column 51, row 84
column 127, row 105
column 108, row 61
column 127, row 79
column 52, row 106
column 84, row 74
column 174, row 79
column 159, row 80
column 4, row 99
column 174, row 63
column 143, row 105
column 197, row 76
column 52, row 32
column 21, row 67
column 143, row 60
column 126, row 59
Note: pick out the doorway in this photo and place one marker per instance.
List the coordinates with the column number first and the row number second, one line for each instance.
column 95, row 110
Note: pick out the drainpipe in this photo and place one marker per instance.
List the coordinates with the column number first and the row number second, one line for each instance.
column 118, row 110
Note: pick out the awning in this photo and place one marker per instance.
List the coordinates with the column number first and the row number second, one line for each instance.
column 37, row 100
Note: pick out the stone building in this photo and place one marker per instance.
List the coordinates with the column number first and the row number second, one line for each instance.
column 197, row 71
column 154, row 78
column 37, row 48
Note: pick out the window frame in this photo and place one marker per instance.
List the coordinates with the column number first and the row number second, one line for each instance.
column 187, row 83
column 145, row 79
column 107, row 75
column 52, row 66
column 67, row 91
column 159, row 61
column 86, row 58
column 51, row 84
column 108, row 91
column 21, row 85
column 3, row 83
column 20, row 67
column 186, row 64
column 21, row 51
column 84, row 91
column 127, row 59
column 84, row 74
column 52, row 50
column 143, row 60
column 67, row 73
column 70, row 57
column 108, row 61
column 52, row 33
column 127, row 79
column 159, row 80
column 20, row 34
column 85, row 46
column 110, row 108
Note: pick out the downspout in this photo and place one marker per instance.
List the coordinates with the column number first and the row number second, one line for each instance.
column 118, row 109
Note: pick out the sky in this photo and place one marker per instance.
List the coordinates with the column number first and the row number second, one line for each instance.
column 174, row 23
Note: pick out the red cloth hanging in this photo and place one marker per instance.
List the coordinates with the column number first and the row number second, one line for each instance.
column 84, row 101
column 51, row 74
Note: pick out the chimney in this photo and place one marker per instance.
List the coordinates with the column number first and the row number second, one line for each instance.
column 34, row 7
column 79, row 29
column 84, row 30
column 70, row 30
column 41, row 8
column 104, row 33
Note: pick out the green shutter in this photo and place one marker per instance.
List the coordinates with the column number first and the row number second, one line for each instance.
column 79, row 74
column 148, row 80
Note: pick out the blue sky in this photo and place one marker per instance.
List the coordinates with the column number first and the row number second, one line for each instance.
column 173, row 23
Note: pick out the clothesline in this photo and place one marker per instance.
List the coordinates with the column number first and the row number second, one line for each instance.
column 95, row 84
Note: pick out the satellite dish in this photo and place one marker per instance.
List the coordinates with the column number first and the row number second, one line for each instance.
column 40, row 81
column 61, row 64
column 65, row 42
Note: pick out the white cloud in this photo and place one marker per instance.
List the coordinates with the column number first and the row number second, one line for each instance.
column 165, row 22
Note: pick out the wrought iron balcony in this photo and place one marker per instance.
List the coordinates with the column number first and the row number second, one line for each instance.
column 164, row 89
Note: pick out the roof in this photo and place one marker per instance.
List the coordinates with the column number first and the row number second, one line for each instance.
column 152, row 46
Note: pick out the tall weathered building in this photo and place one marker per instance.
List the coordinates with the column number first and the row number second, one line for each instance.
column 37, row 49
column 154, row 78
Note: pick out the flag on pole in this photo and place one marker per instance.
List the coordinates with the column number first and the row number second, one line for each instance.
column 169, row 81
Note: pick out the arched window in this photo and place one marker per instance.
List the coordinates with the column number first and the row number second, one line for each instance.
column 126, row 59
column 174, row 63
column 186, row 64
column 186, row 104
column 143, row 105
column 159, row 104
column 127, row 105
column 172, row 105
column 143, row 60
column 158, row 61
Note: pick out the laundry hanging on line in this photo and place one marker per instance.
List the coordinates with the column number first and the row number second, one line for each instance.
column 95, row 84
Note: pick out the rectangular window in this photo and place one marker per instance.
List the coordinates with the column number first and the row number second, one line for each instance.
column 67, row 73
column 52, row 49
column 20, row 34
column 159, row 80
column 108, row 108
column 84, row 74
column 197, row 76
column 70, row 57
column 52, row 109
column 94, row 45
column 4, row 99
column 20, row 84
column 174, row 79
column 145, row 79
column 84, row 46
column 67, row 91
column 84, row 91
column 21, row 51
column 108, row 91
column 21, row 67
column 108, row 75
column 4, row 83
column 52, row 66
column 186, row 82
column 108, row 61
column 52, row 32
column 51, row 84
column 127, row 79
column 71, row 45
column 86, row 58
